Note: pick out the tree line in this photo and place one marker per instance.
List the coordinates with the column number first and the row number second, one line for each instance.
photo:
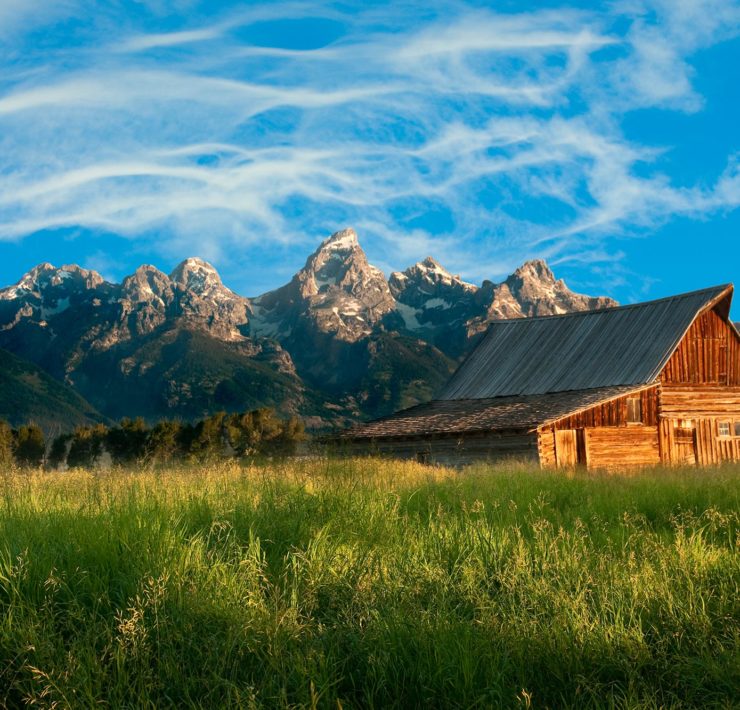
column 256, row 433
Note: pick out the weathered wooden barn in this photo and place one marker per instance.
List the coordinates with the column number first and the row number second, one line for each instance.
column 655, row 382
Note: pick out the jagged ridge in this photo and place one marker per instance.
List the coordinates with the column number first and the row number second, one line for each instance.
column 337, row 320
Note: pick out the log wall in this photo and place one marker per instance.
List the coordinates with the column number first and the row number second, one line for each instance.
column 709, row 354
column 603, row 447
column 451, row 451
column 614, row 412
column 699, row 408
column 700, row 401
column 617, row 447
column 546, row 447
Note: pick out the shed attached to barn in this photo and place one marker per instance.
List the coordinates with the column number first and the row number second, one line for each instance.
column 649, row 383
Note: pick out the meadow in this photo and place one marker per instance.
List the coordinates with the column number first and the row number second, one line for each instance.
column 367, row 583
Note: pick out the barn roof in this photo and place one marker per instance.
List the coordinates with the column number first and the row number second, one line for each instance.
column 613, row 347
column 441, row 417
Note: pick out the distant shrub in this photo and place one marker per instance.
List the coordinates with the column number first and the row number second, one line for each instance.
column 164, row 442
column 127, row 442
column 260, row 432
column 29, row 445
column 58, row 451
column 87, row 446
column 208, row 441
column 221, row 436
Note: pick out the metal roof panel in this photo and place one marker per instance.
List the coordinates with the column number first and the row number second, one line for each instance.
column 622, row 346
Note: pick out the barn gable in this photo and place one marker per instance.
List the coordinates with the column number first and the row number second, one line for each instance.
column 628, row 345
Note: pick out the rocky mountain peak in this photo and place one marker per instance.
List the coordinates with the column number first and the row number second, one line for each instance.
column 146, row 284
column 532, row 290
column 535, row 269
column 338, row 291
column 196, row 275
column 46, row 277
column 206, row 303
column 433, row 303
column 427, row 277
column 343, row 240
column 339, row 264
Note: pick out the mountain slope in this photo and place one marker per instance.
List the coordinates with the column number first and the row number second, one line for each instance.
column 337, row 342
column 187, row 374
column 28, row 393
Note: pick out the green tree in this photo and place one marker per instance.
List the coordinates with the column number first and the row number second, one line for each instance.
column 6, row 444
column 164, row 441
column 29, row 446
column 293, row 431
column 58, row 452
column 88, row 444
column 262, row 432
column 208, row 441
column 127, row 442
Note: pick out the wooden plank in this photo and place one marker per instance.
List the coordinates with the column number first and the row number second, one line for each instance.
column 546, row 447
column 703, row 355
column 566, row 447
column 617, row 447
column 613, row 413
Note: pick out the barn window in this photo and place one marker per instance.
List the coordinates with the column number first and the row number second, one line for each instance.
column 422, row 456
column 724, row 428
column 737, row 428
column 634, row 410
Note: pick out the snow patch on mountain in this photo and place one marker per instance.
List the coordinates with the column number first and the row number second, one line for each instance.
column 409, row 315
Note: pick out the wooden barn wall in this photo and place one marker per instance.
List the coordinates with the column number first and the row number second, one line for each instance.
column 610, row 447
column 709, row 354
column 546, row 447
column 700, row 408
column 693, row 402
column 710, row 448
column 605, row 447
column 450, row 451
column 614, row 412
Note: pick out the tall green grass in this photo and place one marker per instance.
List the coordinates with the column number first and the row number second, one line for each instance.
column 370, row 584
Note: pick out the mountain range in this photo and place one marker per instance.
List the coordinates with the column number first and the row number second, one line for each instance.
column 338, row 343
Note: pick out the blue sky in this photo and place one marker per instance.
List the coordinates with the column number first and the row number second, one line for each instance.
column 603, row 137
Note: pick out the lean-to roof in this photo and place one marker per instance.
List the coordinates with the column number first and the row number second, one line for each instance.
column 441, row 417
column 613, row 347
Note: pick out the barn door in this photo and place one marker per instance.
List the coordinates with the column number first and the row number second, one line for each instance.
column 566, row 447
column 684, row 442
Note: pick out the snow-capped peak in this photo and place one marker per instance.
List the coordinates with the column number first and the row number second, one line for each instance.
column 147, row 283
column 46, row 275
column 426, row 279
column 342, row 240
column 339, row 262
column 196, row 275
column 535, row 269
column 30, row 280
column 434, row 271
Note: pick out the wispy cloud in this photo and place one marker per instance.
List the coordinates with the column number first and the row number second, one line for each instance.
column 218, row 135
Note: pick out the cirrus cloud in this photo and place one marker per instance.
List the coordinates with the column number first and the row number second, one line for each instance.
column 458, row 125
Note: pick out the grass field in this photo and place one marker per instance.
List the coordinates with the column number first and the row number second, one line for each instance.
column 370, row 584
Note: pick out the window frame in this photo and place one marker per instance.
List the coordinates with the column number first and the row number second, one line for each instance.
column 631, row 402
